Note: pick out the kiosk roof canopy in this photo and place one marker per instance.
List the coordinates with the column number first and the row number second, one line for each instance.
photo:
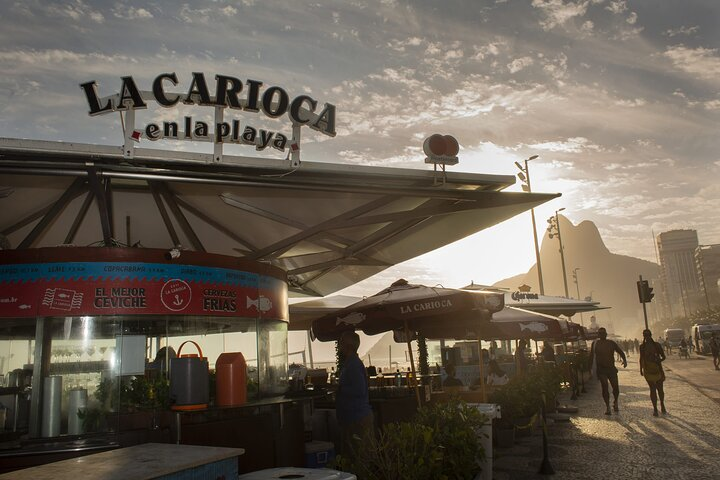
column 328, row 225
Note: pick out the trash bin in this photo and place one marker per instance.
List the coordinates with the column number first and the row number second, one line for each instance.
column 231, row 379
column 300, row 473
column 491, row 411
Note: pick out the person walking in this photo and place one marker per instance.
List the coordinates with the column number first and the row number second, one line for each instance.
column 651, row 357
column 521, row 359
column 715, row 350
column 352, row 401
column 602, row 354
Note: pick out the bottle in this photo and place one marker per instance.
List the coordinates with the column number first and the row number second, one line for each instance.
column 410, row 378
column 398, row 378
column 332, row 376
column 379, row 378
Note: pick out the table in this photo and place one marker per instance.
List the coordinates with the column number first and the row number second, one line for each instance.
column 141, row 462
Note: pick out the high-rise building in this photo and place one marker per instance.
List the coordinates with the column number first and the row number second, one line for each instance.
column 680, row 293
column 707, row 263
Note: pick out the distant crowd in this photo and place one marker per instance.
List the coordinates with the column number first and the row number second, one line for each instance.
column 631, row 345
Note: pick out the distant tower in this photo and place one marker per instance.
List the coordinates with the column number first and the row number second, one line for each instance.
column 678, row 272
column 707, row 263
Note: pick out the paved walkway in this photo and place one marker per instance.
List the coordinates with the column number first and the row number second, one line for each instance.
column 631, row 444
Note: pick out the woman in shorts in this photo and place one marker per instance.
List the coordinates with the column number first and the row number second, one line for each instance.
column 651, row 357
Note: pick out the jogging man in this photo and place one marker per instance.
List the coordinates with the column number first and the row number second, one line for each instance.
column 602, row 353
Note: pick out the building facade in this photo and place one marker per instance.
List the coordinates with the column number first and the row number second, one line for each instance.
column 707, row 263
column 680, row 287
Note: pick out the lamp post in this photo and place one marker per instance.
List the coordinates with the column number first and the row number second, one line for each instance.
column 554, row 230
column 577, row 287
column 524, row 177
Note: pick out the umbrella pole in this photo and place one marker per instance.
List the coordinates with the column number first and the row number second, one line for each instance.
column 482, row 372
column 412, row 364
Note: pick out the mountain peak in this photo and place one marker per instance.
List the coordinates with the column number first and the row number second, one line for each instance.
column 606, row 277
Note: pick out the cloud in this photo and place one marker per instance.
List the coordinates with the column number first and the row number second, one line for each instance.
column 682, row 31
column 131, row 13
column 617, row 6
column 558, row 13
column 712, row 104
column 519, row 64
column 702, row 62
column 76, row 10
column 571, row 145
column 631, row 103
column 491, row 49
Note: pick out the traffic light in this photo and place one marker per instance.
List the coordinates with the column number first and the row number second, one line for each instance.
column 645, row 291
column 648, row 291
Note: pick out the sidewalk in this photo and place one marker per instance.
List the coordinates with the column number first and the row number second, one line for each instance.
column 685, row 444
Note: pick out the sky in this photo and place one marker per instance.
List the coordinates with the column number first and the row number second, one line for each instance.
column 620, row 99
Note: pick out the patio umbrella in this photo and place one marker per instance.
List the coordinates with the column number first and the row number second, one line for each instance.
column 408, row 310
column 515, row 323
column 577, row 332
column 422, row 309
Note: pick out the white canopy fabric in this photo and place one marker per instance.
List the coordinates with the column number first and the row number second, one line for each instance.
column 303, row 313
column 545, row 304
column 328, row 226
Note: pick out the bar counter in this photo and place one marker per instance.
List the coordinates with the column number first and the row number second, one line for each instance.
column 140, row 462
column 270, row 430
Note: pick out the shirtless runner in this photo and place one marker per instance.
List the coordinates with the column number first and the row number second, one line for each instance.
column 603, row 351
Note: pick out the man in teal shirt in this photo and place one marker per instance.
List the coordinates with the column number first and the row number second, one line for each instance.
column 352, row 402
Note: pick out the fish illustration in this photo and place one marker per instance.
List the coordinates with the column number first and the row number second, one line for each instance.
column 63, row 295
column 351, row 319
column 533, row 327
column 24, row 307
column 263, row 304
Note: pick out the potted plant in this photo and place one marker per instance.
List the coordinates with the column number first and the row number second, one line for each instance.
column 519, row 401
column 440, row 443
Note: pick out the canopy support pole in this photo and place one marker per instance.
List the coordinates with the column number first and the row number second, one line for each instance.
column 483, row 392
column 310, row 349
column 412, row 363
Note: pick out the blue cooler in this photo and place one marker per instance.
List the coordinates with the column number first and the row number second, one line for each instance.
column 318, row 453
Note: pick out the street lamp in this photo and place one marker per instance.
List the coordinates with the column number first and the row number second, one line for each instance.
column 577, row 287
column 554, row 230
column 524, row 177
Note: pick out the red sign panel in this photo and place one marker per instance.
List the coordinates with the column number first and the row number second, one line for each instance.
column 127, row 288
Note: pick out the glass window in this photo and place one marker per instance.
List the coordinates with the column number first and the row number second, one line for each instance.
column 111, row 365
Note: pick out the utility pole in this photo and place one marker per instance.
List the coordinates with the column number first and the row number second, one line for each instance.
column 524, row 176
column 577, row 287
column 555, row 225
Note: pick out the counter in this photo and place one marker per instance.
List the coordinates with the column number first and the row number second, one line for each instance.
column 140, row 462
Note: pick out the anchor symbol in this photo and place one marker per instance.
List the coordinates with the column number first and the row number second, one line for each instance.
column 177, row 301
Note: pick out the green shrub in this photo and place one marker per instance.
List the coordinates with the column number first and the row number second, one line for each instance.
column 442, row 443
column 402, row 451
column 456, row 429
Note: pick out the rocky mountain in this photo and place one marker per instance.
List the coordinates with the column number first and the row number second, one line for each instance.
column 607, row 277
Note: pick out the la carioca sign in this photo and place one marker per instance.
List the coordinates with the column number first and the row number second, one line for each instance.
column 226, row 93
